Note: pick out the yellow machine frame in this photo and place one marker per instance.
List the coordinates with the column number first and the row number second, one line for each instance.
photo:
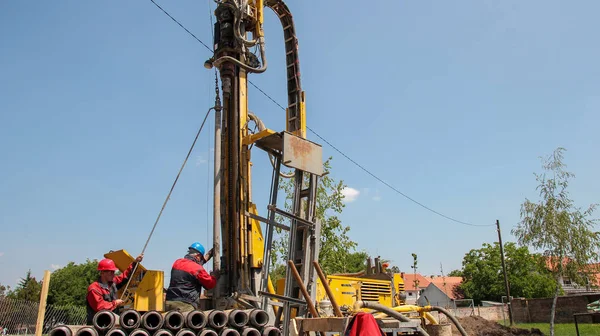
column 145, row 290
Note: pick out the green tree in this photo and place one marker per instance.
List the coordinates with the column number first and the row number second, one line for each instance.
column 483, row 278
column 556, row 226
column 68, row 285
column 338, row 252
column 28, row 289
column 455, row 273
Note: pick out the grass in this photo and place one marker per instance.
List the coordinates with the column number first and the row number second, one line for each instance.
column 564, row 329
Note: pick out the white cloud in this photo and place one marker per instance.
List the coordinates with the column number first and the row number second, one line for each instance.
column 200, row 160
column 376, row 197
column 350, row 194
column 54, row 266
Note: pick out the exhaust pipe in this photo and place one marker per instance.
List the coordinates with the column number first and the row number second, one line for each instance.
column 105, row 320
column 229, row 332
column 185, row 332
column 139, row 332
column 217, row 319
column 271, row 331
column 207, row 332
column 60, row 331
column 237, row 318
column 174, row 320
column 152, row 320
column 249, row 331
column 195, row 320
column 257, row 317
column 130, row 319
column 163, row 332
column 116, row 332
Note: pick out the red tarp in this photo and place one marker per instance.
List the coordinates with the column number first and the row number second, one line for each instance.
column 363, row 324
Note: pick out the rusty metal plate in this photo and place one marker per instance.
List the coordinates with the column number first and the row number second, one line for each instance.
column 302, row 154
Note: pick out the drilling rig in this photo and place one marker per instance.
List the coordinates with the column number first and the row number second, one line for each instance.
column 243, row 264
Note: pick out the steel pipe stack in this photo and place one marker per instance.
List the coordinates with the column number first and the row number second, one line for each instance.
column 233, row 322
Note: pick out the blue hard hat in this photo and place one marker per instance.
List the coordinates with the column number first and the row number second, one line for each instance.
column 198, row 247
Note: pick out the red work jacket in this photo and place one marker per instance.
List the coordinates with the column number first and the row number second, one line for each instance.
column 102, row 297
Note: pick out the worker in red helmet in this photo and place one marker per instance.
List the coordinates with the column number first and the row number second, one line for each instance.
column 102, row 294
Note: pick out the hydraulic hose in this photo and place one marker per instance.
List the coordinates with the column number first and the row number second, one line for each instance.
column 412, row 308
column 451, row 318
column 237, row 25
column 389, row 311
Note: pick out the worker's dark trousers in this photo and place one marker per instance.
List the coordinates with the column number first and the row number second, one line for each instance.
column 178, row 305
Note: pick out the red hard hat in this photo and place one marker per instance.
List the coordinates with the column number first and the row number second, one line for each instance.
column 106, row 265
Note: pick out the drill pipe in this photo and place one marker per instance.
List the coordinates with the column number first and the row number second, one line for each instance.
column 86, row 331
column 105, row 320
column 249, row 331
column 271, row 331
column 152, row 320
column 229, row 332
column 174, row 320
column 139, row 332
column 185, row 332
column 130, row 319
column 207, row 332
column 217, row 319
column 237, row 318
column 163, row 332
column 257, row 317
column 116, row 332
column 195, row 320
column 60, row 331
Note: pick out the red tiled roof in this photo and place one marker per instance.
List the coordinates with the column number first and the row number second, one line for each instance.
column 447, row 285
column 409, row 281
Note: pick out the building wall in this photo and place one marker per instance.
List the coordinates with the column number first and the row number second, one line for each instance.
column 434, row 297
column 412, row 296
column 538, row 310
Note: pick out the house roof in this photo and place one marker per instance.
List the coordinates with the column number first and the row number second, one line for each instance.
column 409, row 281
column 447, row 285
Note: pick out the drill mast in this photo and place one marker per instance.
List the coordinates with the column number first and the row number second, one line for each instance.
column 244, row 255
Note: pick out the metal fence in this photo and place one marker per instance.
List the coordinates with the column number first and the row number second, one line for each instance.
column 20, row 317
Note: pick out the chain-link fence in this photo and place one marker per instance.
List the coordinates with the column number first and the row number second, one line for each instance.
column 19, row 317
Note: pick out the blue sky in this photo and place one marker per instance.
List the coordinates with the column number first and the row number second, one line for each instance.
column 450, row 102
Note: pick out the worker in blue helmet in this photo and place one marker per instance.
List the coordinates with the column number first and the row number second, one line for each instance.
column 188, row 277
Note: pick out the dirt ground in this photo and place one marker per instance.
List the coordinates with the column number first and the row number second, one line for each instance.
column 478, row 326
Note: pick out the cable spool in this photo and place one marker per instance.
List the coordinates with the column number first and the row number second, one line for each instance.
column 86, row 331
column 116, row 332
column 237, row 318
column 104, row 320
column 174, row 320
column 152, row 320
column 207, row 332
column 130, row 319
column 271, row 331
column 257, row 317
column 60, row 331
column 229, row 332
column 195, row 320
column 249, row 331
column 217, row 319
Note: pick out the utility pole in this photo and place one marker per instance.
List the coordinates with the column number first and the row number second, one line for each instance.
column 510, row 317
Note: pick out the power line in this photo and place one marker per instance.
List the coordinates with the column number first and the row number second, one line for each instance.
column 180, row 25
column 330, row 144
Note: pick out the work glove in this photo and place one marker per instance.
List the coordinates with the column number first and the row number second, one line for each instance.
column 209, row 255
